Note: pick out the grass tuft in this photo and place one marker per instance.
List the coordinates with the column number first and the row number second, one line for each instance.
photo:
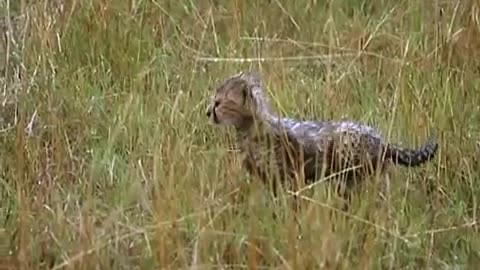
column 108, row 161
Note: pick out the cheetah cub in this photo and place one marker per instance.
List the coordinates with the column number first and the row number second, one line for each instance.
column 288, row 150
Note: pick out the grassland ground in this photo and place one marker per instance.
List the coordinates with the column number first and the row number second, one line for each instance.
column 108, row 161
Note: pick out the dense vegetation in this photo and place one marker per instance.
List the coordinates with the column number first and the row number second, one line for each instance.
column 108, row 160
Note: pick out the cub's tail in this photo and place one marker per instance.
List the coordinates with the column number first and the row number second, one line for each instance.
column 413, row 157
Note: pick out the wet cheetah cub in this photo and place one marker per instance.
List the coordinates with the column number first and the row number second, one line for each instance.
column 290, row 150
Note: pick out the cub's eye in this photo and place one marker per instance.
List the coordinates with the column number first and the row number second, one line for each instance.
column 216, row 103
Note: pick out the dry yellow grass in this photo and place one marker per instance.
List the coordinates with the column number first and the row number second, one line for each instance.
column 108, row 160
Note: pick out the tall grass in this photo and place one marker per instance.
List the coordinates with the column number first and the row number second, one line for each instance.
column 108, row 161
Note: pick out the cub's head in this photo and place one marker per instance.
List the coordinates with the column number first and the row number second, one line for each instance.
column 237, row 101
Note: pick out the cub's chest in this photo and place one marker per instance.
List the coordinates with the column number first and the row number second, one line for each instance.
column 259, row 151
column 257, row 145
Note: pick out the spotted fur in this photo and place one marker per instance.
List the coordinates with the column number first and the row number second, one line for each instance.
column 288, row 149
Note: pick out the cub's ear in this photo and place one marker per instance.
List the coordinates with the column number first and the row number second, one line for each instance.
column 247, row 94
column 251, row 77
